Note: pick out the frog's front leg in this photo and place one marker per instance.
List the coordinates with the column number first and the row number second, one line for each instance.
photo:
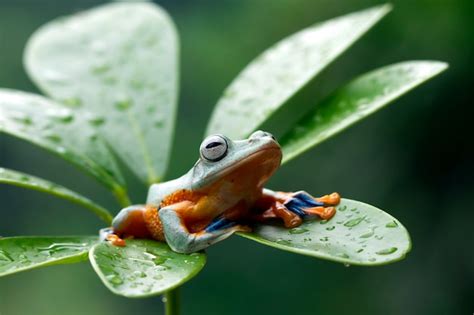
column 293, row 207
column 181, row 240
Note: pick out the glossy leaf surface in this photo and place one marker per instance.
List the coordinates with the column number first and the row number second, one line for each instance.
column 143, row 267
column 69, row 134
column 31, row 182
column 355, row 101
column 118, row 61
column 359, row 234
column 277, row 74
column 24, row 253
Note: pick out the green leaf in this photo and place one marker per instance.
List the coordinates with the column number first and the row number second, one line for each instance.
column 31, row 182
column 143, row 267
column 119, row 61
column 359, row 234
column 281, row 71
column 69, row 134
column 29, row 252
column 355, row 101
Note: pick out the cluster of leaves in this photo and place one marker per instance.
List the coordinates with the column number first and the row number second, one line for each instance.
column 114, row 85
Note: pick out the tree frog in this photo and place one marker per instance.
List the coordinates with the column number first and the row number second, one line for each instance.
column 222, row 193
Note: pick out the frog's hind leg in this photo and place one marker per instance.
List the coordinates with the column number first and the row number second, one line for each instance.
column 182, row 241
column 293, row 207
column 129, row 221
column 304, row 204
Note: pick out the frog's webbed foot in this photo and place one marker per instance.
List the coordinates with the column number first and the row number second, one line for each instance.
column 292, row 208
column 304, row 204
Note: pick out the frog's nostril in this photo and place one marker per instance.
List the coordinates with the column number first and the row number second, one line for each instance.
column 258, row 134
column 261, row 134
column 270, row 135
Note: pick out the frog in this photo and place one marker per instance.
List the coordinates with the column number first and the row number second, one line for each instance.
column 223, row 193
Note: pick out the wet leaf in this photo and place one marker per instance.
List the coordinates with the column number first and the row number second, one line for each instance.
column 359, row 234
column 281, row 71
column 143, row 267
column 31, row 182
column 120, row 62
column 57, row 129
column 355, row 101
column 29, row 252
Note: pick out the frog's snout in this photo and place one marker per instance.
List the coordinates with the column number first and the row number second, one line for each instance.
column 262, row 134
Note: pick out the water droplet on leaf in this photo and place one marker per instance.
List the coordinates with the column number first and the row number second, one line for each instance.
column 298, row 230
column 354, row 222
column 392, row 224
column 387, row 251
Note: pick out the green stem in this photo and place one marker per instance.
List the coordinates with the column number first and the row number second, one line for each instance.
column 122, row 197
column 171, row 300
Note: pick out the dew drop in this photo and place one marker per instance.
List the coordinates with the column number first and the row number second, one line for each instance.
column 392, row 224
column 96, row 121
column 73, row 102
column 24, row 178
column 342, row 208
column 61, row 150
column 100, row 68
column 123, row 104
column 283, row 242
column 147, row 289
column 157, row 277
column 298, row 230
column 63, row 116
column 58, row 247
column 139, row 274
column 342, row 255
column 23, row 119
column 368, row 234
column 159, row 260
column 354, row 222
column 114, row 279
column 387, row 251
column 53, row 137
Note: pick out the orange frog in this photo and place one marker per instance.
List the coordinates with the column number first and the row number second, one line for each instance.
column 223, row 193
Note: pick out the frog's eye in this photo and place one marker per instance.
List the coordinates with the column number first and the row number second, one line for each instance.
column 213, row 148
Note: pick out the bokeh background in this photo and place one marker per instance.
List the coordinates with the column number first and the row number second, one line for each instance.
column 413, row 159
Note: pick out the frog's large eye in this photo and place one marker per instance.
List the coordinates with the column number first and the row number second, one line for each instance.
column 213, row 148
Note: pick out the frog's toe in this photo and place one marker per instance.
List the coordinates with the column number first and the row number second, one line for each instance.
column 330, row 200
column 301, row 201
column 115, row 240
column 324, row 213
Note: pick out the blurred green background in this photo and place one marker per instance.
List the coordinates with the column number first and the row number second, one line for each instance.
column 413, row 159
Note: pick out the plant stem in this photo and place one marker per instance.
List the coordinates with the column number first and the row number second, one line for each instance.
column 171, row 300
column 122, row 197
